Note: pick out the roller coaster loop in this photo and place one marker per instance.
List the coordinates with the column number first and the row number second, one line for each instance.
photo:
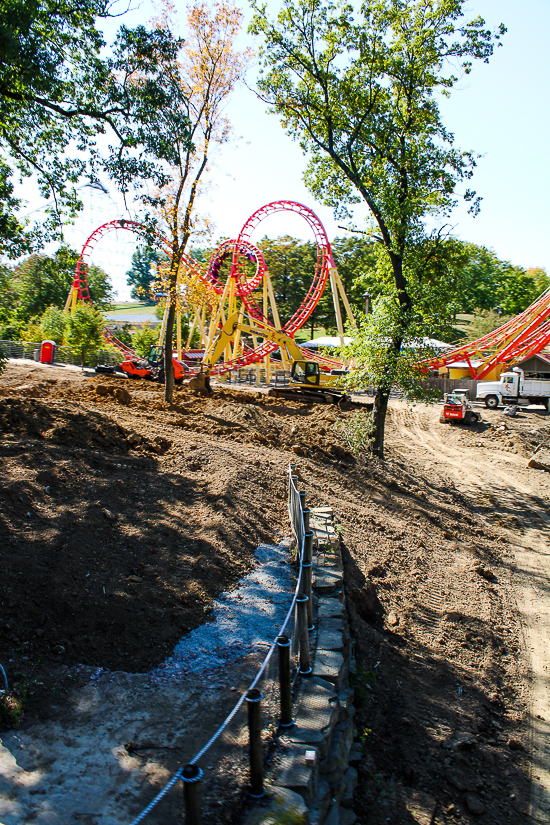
column 242, row 252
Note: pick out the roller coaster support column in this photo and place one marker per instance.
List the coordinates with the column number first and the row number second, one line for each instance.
column 339, row 325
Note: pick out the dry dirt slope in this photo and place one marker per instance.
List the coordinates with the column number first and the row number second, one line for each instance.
column 190, row 490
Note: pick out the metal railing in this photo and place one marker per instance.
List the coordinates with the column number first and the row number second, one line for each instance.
column 258, row 376
column 240, row 741
column 63, row 354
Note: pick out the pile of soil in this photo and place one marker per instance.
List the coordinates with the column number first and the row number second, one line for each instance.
column 116, row 539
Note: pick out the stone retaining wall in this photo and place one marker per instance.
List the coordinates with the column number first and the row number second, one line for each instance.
column 319, row 791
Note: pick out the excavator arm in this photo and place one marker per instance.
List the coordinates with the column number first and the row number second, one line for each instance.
column 306, row 382
column 235, row 322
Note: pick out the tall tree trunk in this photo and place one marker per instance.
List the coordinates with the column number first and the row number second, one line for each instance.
column 379, row 420
column 168, row 347
column 383, row 390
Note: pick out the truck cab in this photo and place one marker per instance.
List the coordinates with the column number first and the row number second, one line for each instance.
column 497, row 392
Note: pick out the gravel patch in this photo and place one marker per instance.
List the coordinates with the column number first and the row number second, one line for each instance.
column 244, row 620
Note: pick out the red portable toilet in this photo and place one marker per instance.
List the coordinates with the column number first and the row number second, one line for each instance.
column 47, row 352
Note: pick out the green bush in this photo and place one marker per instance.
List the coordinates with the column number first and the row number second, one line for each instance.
column 356, row 432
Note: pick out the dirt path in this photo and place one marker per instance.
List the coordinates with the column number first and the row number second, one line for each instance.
column 488, row 474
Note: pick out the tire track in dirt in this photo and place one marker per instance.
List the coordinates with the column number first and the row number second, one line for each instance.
column 475, row 469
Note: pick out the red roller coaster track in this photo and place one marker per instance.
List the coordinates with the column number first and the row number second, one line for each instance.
column 242, row 249
column 522, row 336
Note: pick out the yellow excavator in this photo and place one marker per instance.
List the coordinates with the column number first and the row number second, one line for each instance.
column 307, row 382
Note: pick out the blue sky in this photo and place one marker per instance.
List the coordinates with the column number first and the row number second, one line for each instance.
column 501, row 111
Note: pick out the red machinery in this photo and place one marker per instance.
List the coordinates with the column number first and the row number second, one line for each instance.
column 152, row 367
column 457, row 407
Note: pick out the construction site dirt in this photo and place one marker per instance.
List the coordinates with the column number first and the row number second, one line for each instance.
column 122, row 518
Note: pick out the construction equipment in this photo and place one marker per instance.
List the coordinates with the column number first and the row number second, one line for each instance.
column 307, row 382
column 457, row 407
column 513, row 386
column 152, row 367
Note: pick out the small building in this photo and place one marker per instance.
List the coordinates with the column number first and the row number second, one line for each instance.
column 536, row 366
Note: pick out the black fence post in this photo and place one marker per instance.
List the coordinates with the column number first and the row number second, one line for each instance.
column 307, row 569
column 191, row 776
column 305, row 666
column 253, row 698
column 285, row 685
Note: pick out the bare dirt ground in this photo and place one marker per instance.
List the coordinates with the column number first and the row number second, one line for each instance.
column 458, row 714
column 122, row 519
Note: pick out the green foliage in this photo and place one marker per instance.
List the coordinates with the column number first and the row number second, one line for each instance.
column 41, row 282
column 356, row 432
column 355, row 260
column 143, row 271
column 50, row 326
column 484, row 323
column 360, row 92
column 143, row 339
column 362, row 681
column 59, row 91
column 124, row 335
column 489, row 283
column 7, row 295
column 53, row 323
column 522, row 289
column 84, row 330
column 292, row 263
column 360, row 95
column 379, row 364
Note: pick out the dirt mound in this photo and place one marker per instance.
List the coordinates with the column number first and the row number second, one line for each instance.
column 73, row 428
column 111, row 553
column 114, row 544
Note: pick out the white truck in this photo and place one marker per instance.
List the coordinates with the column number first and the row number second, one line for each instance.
column 513, row 388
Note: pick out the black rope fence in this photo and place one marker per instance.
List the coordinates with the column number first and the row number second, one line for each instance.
column 239, row 745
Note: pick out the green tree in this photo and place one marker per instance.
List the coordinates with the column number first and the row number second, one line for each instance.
column 7, row 296
column 361, row 97
column 59, row 89
column 143, row 339
column 521, row 288
column 356, row 263
column 484, row 323
column 540, row 277
column 143, row 271
column 53, row 324
column 49, row 326
column 41, row 281
column 291, row 264
column 84, row 330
